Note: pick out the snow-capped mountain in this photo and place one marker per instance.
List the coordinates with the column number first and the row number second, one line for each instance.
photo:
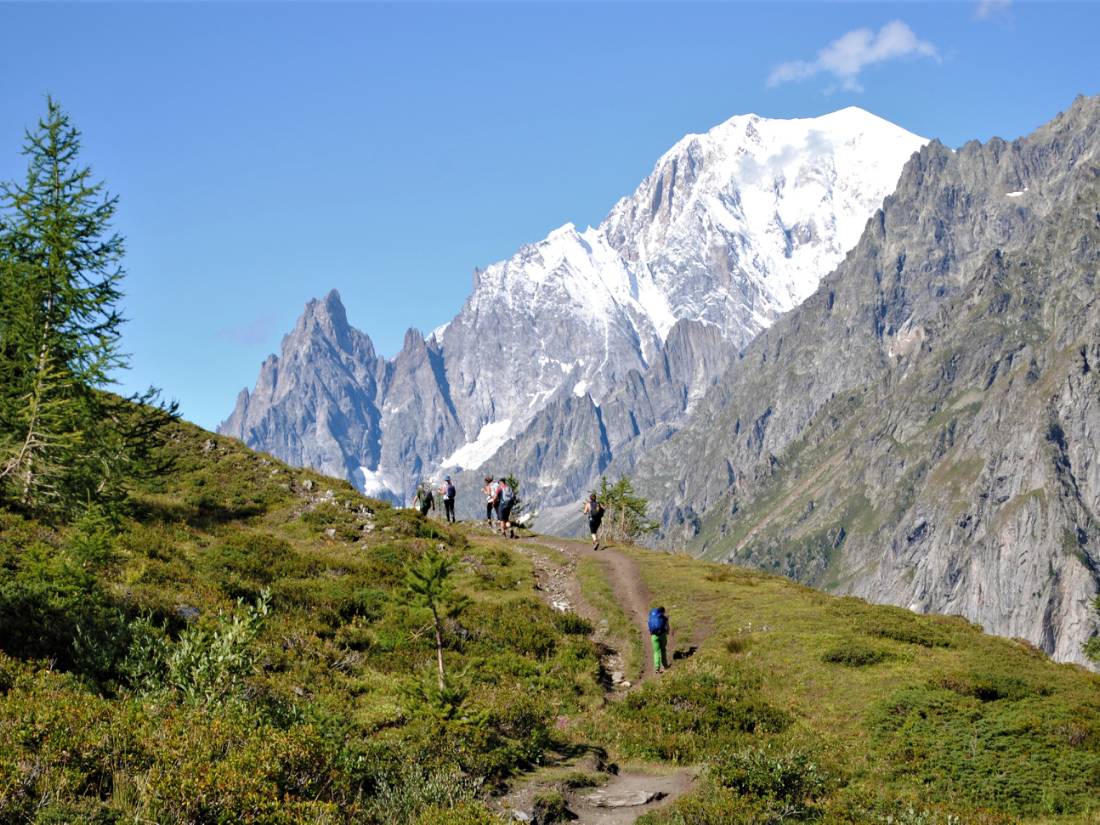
column 732, row 228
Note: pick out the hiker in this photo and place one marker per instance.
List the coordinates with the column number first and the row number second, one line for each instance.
column 594, row 510
column 505, row 500
column 490, row 490
column 658, row 634
column 447, row 490
column 424, row 500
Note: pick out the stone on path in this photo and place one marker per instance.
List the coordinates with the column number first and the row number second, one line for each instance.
column 630, row 799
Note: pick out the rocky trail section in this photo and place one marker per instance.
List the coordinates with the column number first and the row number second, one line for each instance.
column 622, row 575
column 624, row 795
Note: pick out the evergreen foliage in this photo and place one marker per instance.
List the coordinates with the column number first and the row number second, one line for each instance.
column 430, row 586
column 625, row 518
column 64, row 443
column 138, row 685
column 519, row 508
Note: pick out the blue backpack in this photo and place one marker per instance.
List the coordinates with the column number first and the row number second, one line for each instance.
column 656, row 621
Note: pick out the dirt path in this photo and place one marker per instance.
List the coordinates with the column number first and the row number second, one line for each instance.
column 620, row 801
column 626, row 794
column 627, row 585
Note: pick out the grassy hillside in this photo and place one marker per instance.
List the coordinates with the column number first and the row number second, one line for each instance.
column 243, row 650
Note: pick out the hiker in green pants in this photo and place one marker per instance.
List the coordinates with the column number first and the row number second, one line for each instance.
column 658, row 634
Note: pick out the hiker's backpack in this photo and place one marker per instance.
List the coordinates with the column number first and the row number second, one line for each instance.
column 598, row 511
column 507, row 497
column 450, row 491
column 656, row 621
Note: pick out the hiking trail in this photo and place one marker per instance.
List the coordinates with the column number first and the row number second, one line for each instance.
column 628, row 793
column 628, row 587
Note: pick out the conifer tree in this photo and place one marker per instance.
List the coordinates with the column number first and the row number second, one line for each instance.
column 428, row 585
column 63, row 441
column 625, row 517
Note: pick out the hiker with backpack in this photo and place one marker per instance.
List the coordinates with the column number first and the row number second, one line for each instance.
column 594, row 510
column 490, row 490
column 658, row 635
column 505, row 500
column 424, row 500
column 447, row 491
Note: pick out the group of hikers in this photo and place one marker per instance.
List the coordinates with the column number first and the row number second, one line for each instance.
column 500, row 498
column 425, row 499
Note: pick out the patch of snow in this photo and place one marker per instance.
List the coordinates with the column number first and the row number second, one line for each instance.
column 580, row 388
column 437, row 333
column 1016, row 194
column 372, row 482
column 489, row 439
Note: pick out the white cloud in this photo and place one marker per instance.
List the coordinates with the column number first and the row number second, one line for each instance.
column 988, row 9
column 851, row 53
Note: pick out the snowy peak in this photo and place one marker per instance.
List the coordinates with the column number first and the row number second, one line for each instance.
column 731, row 228
column 772, row 204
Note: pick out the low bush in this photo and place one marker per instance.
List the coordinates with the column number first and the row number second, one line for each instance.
column 712, row 804
column 549, row 807
column 1016, row 756
column 52, row 607
column 571, row 624
column 583, row 779
column 737, row 645
column 903, row 626
column 990, row 687
column 789, row 776
column 688, row 714
column 852, row 653
column 522, row 626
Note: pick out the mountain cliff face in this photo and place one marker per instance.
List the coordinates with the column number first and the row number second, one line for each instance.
column 923, row 429
column 612, row 332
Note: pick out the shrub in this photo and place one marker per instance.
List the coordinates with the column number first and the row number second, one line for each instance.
column 710, row 804
column 244, row 563
column 791, row 776
column 902, row 626
column 408, row 790
column 523, row 626
column 549, row 808
column 990, row 687
column 209, row 663
column 1092, row 649
column 464, row 813
column 1010, row 755
column 582, row 779
column 852, row 653
column 571, row 624
column 52, row 607
column 737, row 645
column 687, row 714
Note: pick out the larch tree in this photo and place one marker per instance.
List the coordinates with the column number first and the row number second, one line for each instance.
column 625, row 513
column 64, row 442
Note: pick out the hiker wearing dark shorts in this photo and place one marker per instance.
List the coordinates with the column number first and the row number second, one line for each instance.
column 594, row 510
column 447, row 491
column 490, row 490
column 658, row 635
column 505, row 499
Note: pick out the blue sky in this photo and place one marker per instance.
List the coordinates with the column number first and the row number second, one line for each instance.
column 267, row 153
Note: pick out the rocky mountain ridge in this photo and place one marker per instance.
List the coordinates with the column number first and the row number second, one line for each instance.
column 731, row 228
column 923, row 429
